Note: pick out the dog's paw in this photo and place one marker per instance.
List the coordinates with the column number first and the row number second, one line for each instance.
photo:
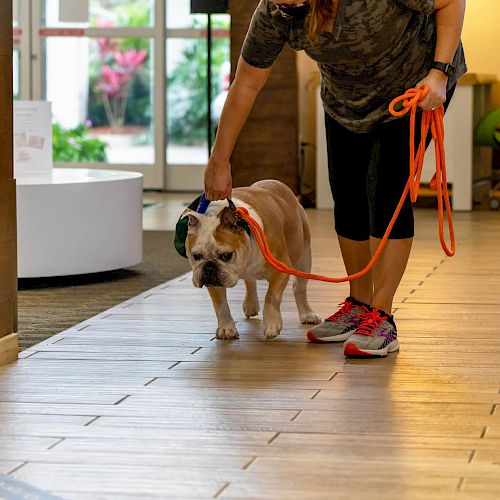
column 251, row 309
column 310, row 318
column 227, row 333
column 272, row 331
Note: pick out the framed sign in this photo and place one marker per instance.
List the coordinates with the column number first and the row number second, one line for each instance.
column 73, row 11
column 32, row 137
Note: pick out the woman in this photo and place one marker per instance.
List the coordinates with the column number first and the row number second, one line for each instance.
column 368, row 52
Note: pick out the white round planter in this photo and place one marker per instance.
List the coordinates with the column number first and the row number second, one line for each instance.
column 78, row 221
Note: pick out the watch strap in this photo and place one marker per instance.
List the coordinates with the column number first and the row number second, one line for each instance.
column 447, row 68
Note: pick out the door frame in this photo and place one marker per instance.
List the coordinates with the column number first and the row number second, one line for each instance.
column 9, row 344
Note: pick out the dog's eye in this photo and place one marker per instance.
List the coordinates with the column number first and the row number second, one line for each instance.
column 197, row 256
column 226, row 257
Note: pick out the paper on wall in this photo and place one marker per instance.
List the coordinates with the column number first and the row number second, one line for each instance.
column 32, row 138
column 73, row 11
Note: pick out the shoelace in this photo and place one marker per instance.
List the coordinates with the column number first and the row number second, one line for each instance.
column 370, row 322
column 346, row 308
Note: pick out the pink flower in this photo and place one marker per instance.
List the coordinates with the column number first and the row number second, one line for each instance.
column 111, row 82
column 104, row 23
column 131, row 59
column 105, row 46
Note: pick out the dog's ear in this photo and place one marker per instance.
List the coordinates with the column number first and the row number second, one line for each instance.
column 228, row 218
column 194, row 219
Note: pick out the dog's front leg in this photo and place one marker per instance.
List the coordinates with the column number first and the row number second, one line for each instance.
column 251, row 303
column 226, row 329
column 273, row 322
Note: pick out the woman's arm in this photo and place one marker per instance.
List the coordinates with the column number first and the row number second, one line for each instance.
column 246, row 86
column 449, row 21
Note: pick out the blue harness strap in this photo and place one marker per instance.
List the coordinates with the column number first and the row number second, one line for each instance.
column 202, row 207
column 204, row 203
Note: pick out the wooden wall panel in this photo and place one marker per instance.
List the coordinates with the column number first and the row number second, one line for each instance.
column 268, row 144
column 8, row 264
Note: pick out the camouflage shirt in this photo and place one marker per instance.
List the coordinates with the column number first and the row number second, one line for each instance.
column 376, row 50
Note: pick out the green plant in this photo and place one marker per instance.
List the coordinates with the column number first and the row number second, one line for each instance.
column 137, row 14
column 73, row 145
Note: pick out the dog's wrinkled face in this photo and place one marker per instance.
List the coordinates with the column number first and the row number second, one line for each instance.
column 217, row 247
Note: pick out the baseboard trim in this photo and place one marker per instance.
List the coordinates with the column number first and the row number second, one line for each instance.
column 9, row 349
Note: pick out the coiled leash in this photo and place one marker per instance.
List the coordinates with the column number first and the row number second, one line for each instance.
column 432, row 120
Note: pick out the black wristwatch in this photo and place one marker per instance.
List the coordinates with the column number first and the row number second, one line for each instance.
column 447, row 68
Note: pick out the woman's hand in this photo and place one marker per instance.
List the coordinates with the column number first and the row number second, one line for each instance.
column 218, row 180
column 436, row 81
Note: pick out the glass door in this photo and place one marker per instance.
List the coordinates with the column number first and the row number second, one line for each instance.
column 187, row 102
column 97, row 68
column 127, row 82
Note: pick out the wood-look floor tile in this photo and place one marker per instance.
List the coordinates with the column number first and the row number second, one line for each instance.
column 141, row 400
column 6, row 466
column 94, row 479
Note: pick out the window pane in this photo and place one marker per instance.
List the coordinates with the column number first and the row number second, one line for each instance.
column 16, row 56
column 122, row 13
column 101, row 89
column 186, row 101
column 221, row 66
column 179, row 15
column 107, row 13
column 16, row 73
column 51, row 15
column 187, row 106
column 15, row 13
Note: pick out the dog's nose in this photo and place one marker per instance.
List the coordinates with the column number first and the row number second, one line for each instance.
column 210, row 274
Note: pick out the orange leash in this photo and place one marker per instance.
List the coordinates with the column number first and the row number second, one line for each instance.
column 432, row 120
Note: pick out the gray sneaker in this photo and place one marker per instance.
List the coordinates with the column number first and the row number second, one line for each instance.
column 376, row 336
column 341, row 325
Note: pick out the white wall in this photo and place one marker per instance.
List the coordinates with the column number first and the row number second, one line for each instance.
column 308, row 80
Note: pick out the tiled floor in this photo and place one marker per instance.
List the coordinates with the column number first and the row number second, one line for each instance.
column 142, row 402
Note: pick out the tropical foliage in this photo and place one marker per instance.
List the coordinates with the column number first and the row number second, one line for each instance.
column 74, row 145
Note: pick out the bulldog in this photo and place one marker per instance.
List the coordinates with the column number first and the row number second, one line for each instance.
column 221, row 252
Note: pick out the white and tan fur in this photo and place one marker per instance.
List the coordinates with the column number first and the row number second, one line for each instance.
column 221, row 252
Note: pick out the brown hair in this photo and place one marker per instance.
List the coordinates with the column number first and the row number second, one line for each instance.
column 322, row 11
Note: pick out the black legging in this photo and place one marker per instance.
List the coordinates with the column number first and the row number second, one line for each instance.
column 368, row 173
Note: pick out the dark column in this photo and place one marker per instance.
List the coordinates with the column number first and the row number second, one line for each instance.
column 267, row 147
